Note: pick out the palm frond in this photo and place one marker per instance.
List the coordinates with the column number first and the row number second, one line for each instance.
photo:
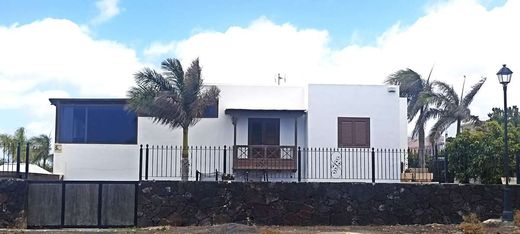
column 466, row 101
column 192, row 90
column 442, row 124
column 446, row 92
column 208, row 97
column 173, row 72
column 409, row 81
column 422, row 119
column 411, row 86
column 440, row 100
column 20, row 135
column 40, row 149
column 141, row 99
column 167, row 109
column 473, row 120
column 150, row 78
column 413, row 108
column 430, row 74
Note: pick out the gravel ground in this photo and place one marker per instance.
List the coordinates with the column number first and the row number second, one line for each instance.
column 238, row 228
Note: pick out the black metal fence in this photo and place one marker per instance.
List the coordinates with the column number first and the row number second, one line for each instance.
column 294, row 164
column 13, row 160
column 164, row 162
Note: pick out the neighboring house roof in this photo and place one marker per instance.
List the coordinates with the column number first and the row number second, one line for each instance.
column 11, row 167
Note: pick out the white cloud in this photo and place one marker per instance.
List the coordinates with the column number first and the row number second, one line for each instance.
column 459, row 37
column 252, row 55
column 57, row 58
column 158, row 49
column 107, row 10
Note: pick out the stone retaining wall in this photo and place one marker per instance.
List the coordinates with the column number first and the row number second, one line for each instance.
column 13, row 198
column 204, row 203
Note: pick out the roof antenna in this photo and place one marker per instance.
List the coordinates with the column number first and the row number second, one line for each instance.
column 279, row 78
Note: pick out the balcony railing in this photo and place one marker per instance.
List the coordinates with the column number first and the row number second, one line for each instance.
column 264, row 157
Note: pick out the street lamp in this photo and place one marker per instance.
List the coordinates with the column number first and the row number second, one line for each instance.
column 504, row 77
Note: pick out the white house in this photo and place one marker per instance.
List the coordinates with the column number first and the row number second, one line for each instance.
column 335, row 126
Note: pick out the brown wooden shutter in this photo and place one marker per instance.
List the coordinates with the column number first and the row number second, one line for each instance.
column 353, row 132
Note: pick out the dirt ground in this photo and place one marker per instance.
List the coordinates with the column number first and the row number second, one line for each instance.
column 237, row 228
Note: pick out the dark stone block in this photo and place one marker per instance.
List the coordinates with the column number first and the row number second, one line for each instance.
column 13, row 199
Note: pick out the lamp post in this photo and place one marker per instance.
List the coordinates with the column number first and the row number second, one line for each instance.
column 504, row 77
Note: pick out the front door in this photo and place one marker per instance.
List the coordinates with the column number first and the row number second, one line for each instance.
column 263, row 134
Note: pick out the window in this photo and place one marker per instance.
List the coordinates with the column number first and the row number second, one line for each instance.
column 353, row 132
column 211, row 111
column 264, row 131
column 96, row 124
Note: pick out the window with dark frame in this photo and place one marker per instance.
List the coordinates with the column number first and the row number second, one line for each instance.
column 96, row 124
column 353, row 132
column 211, row 111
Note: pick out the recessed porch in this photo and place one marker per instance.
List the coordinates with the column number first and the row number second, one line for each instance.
column 272, row 139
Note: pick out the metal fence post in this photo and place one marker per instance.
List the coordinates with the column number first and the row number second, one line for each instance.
column 27, row 161
column 140, row 162
column 18, row 160
column 225, row 158
column 146, row 163
column 299, row 164
column 373, row 166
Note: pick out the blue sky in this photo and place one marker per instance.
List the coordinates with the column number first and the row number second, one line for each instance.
column 80, row 48
column 142, row 22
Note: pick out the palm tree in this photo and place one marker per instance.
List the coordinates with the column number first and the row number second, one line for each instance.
column 40, row 151
column 452, row 108
column 9, row 143
column 173, row 98
column 7, row 148
column 417, row 91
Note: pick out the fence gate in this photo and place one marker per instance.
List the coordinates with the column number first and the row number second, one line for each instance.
column 81, row 204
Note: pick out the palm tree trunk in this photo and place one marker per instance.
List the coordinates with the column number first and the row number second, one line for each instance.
column 458, row 127
column 185, row 164
column 421, row 138
column 421, row 146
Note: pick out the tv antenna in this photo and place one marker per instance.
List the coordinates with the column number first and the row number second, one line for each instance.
column 279, row 79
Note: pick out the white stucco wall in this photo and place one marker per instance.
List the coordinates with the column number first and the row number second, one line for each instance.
column 97, row 162
column 219, row 131
column 387, row 131
column 328, row 102
column 403, row 122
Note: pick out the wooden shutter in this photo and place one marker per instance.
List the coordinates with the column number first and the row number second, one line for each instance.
column 353, row 132
column 264, row 131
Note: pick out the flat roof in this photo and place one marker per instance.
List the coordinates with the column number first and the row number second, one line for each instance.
column 55, row 101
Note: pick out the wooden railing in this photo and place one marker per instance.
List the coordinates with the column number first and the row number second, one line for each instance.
column 264, row 157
